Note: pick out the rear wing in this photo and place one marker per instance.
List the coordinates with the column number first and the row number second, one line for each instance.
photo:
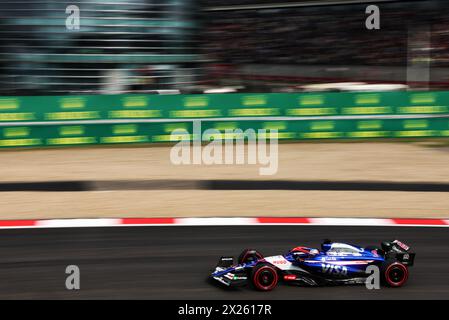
column 399, row 251
column 406, row 258
column 401, row 246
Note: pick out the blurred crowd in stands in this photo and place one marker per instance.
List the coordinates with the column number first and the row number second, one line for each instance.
column 327, row 35
column 153, row 45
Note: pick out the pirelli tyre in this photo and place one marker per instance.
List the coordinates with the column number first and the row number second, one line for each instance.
column 264, row 277
column 394, row 273
column 249, row 255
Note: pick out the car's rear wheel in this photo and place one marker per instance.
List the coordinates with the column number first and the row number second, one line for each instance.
column 249, row 255
column 394, row 274
column 264, row 277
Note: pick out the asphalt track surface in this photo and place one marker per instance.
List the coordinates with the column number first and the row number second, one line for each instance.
column 172, row 262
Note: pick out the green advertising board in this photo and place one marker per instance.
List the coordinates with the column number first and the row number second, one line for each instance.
column 111, row 119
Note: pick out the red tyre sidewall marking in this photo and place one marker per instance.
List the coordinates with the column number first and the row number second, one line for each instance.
column 387, row 274
column 260, row 286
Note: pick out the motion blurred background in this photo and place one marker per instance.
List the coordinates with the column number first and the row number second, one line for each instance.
column 189, row 45
column 159, row 50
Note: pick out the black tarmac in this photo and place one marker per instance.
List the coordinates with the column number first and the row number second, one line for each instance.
column 173, row 262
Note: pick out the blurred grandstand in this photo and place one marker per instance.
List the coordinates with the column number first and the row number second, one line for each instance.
column 188, row 46
column 121, row 46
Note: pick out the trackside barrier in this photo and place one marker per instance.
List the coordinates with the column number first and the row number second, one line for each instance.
column 111, row 119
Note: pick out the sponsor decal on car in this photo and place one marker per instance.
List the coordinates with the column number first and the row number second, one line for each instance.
column 402, row 245
column 334, row 269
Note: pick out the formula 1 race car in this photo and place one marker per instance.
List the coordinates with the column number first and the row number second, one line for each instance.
column 335, row 263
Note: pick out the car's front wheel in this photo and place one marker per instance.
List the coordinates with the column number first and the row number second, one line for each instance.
column 264, row 277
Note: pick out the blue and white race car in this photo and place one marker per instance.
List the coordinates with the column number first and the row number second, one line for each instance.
column 335, row 263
